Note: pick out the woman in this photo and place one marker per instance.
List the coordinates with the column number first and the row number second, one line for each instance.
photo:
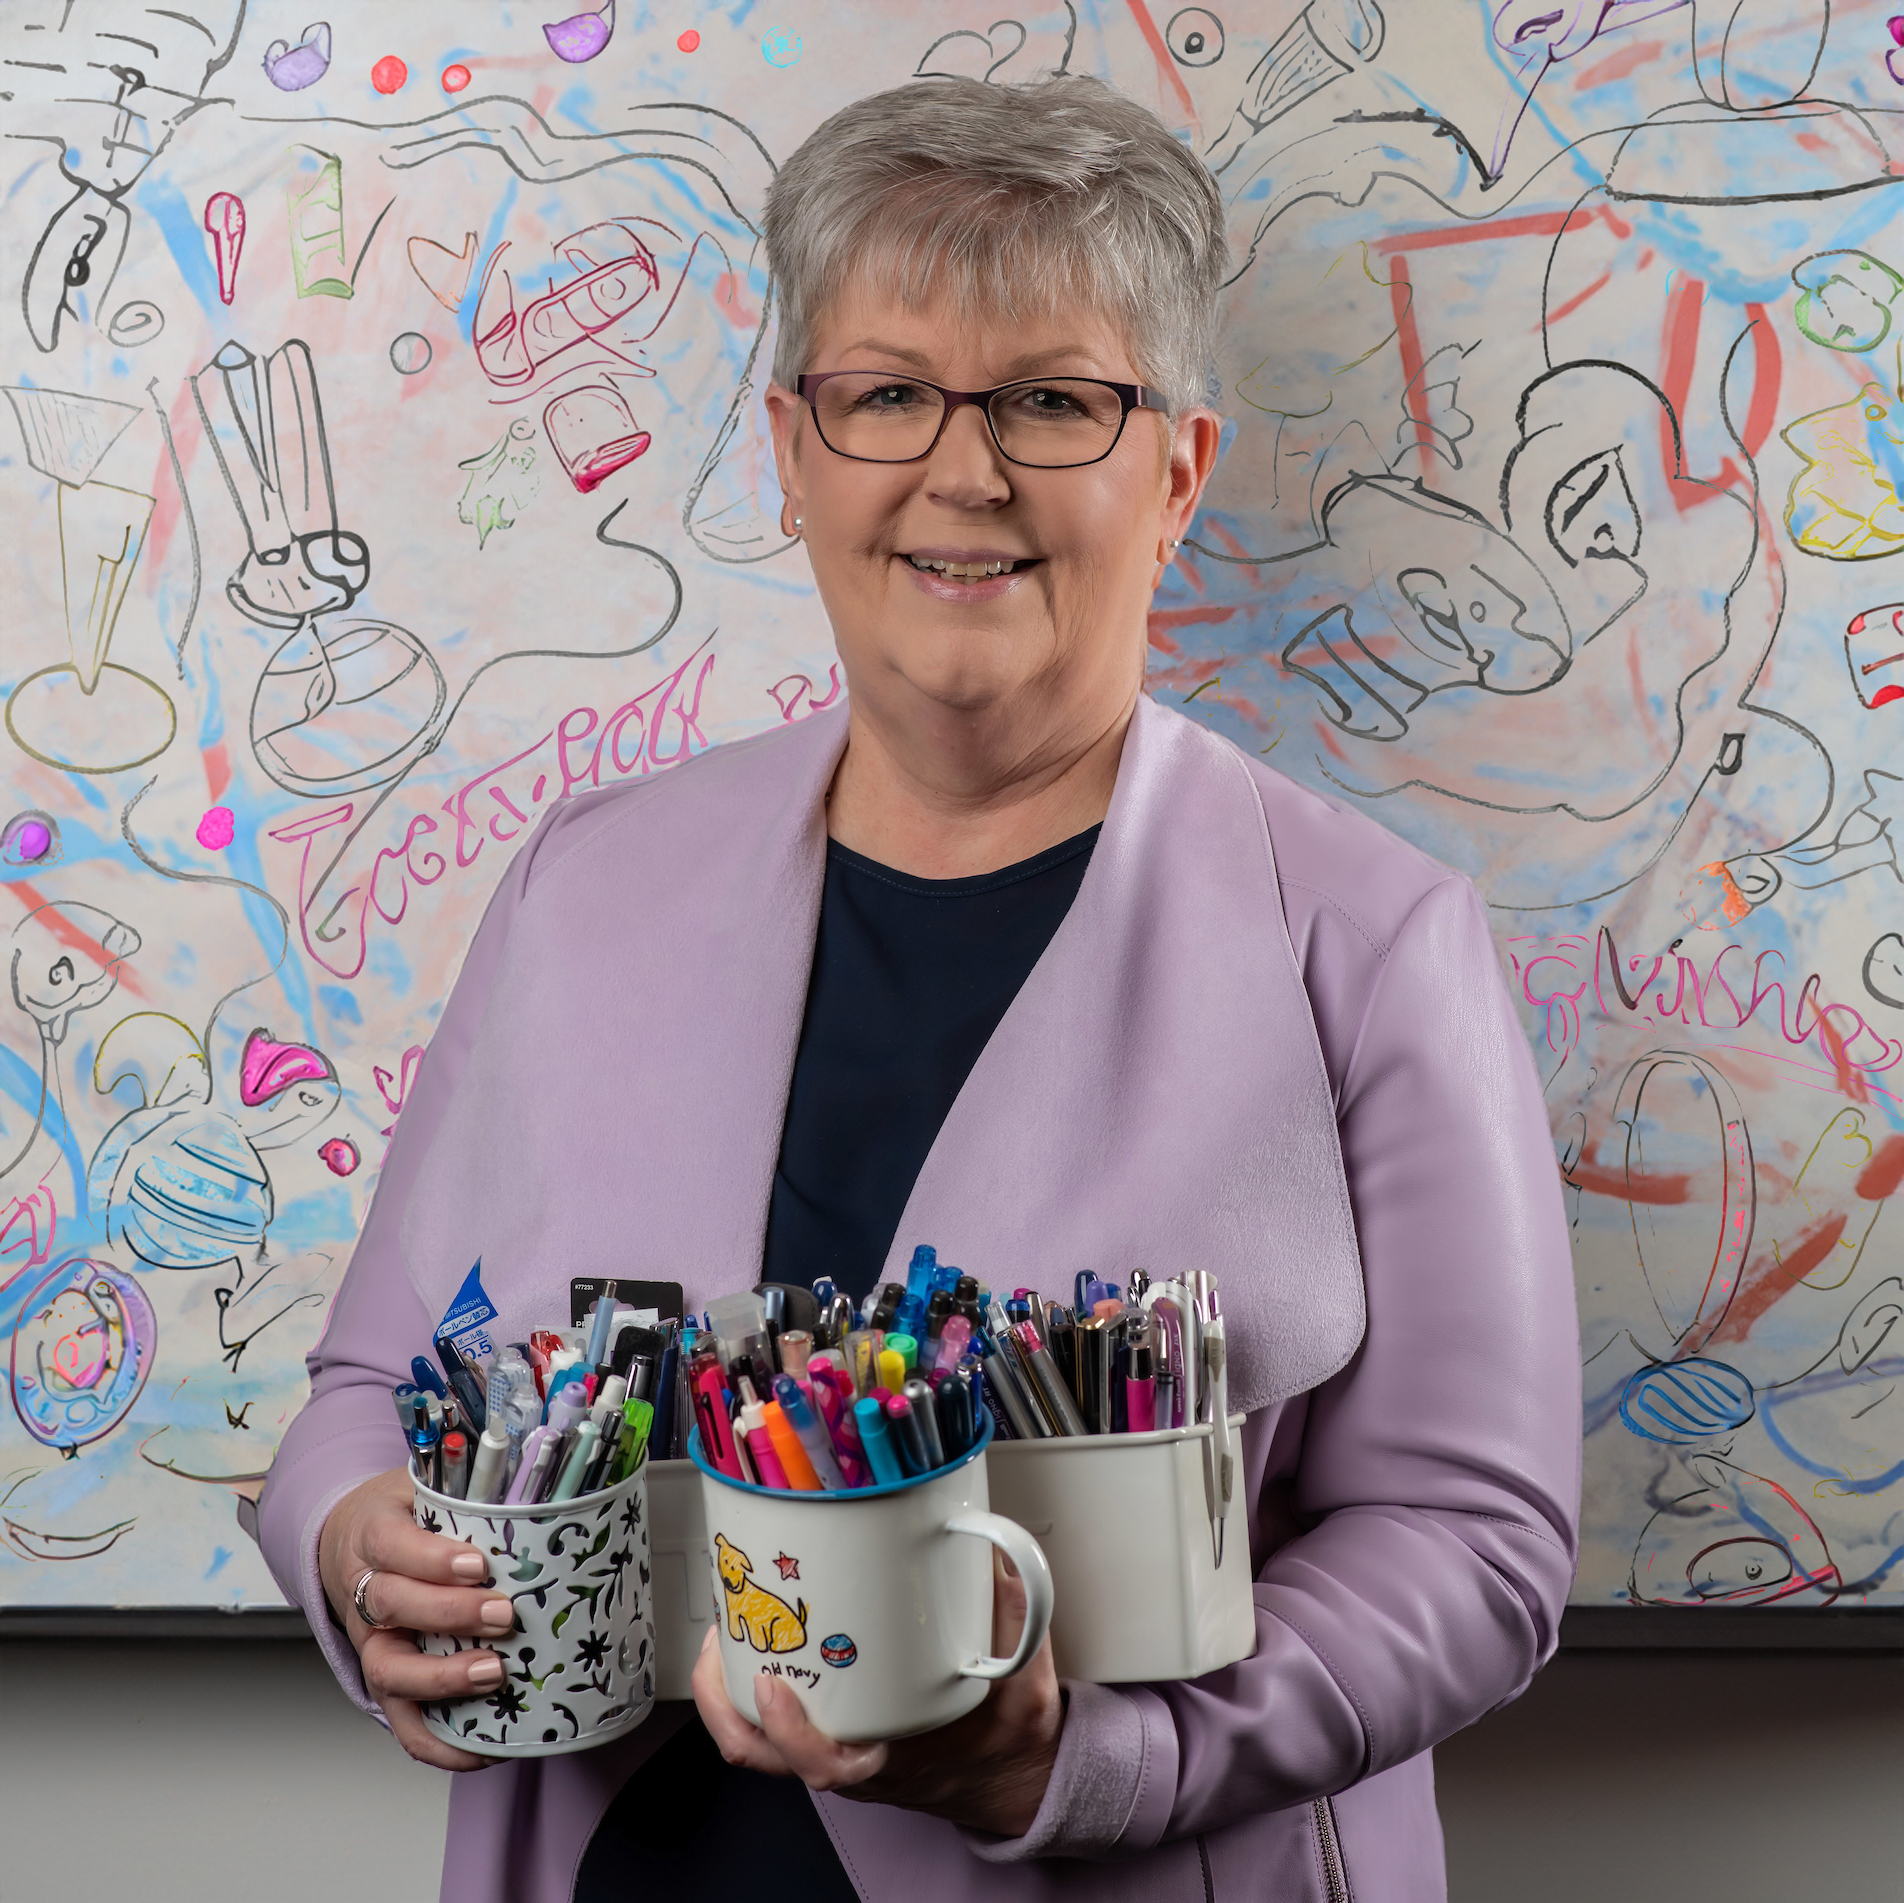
column 1007, row 958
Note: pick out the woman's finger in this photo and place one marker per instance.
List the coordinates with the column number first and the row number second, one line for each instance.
column 738, row 1742
column 816, row 1760
column 394, row 1543
column 394, row 1668
column 409, row 1730
column 463, row 1611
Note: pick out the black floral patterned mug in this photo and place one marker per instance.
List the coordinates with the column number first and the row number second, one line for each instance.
column 579, row 1667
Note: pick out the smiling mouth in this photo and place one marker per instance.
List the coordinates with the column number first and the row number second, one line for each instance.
column 970, row 571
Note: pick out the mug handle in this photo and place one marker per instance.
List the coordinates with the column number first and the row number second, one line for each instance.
column 1029, row 1557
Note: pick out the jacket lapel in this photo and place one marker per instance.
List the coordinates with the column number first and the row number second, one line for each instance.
column 1155, row 1097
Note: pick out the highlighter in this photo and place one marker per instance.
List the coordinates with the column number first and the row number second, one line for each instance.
column 892, row 1366
column 786, row 1443
column 904, row 1426
column 638, row 1418
column 833, row 1402
column 906, row 1347
column 812, row 1432
column 753, row 1425
column 926, row 1413
column 876, row 1437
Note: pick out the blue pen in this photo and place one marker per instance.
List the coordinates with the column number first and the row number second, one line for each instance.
column 601, row 1320
column 814, row 1438
column 662, row 1435
column 1081, row 1293
column 427, row 1378
column 875, row 1437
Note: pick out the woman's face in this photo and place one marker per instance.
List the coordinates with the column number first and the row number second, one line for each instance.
column 1056, row 643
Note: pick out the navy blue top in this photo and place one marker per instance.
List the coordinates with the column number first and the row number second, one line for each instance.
column 910, row 978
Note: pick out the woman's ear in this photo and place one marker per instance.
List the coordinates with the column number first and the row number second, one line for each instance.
column 1194, row 442
column 784, row 419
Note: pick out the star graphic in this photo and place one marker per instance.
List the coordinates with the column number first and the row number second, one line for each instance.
column 789, row 1568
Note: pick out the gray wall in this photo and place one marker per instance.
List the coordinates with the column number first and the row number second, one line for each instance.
column 221, row 1773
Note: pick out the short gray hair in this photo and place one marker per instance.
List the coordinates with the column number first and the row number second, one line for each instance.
column 1009, row 199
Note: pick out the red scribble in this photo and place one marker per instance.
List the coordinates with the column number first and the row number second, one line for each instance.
column 217, row 769
column 1618, row 65
column 225, row 221
column 789, row 693
column 1885, row 695
column 1880, row 1177
column 1401, row 298
column 68, row 934
column 1596, row 1179
column 1216, row 530
column 1545, row 224
column 1166, row 66
column 1579, row 297
column 1192, row 617
column 1680, row 350
column 732, row 305
column 407, row 1068
column 1162, row 642
column 1768, row 1280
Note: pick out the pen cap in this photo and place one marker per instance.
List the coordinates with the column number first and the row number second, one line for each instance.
column 796, row 1350
column 737, row 1322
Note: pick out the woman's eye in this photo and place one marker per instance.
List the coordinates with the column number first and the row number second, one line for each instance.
column 891, row 396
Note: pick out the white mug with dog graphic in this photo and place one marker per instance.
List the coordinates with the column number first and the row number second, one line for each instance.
column 874, row 1604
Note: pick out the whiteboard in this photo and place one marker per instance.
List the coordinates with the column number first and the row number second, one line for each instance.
column 385, row 458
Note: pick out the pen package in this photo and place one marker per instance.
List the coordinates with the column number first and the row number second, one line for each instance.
column 579, row 1665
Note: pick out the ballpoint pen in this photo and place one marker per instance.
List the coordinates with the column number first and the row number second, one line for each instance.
column 570, row 1484
column 1060, row 1409
column 811, row 1431
column 925, row 1411
column 904, row 1423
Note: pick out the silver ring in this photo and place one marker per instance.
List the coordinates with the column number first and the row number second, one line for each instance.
column 359, row 1599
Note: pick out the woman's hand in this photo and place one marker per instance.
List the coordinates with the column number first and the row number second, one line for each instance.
column 985, row 1771
column 424, row 1583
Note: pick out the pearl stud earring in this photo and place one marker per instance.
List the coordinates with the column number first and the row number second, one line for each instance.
column 798, row 523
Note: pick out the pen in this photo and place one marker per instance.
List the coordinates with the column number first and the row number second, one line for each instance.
column 1092, row 1381
column 664, row 1401
column 462, row 1380
column 812, row 1432
column 904, row 1426
column 1051, row 1390
column 607, row 1445
column 835, row 1409
column 426, row 1377
column 886, row 1307
column 1059, row 1335
column 924, row 1410
column 1001, row 1380
column 455, row 1466
column 638, row 1419
column 1167, row 1346
column 538, row 1448
column 1140, row 1387
column 906, row 1347
column 796, row 1350
column 577, row 1463
column 892, row 1367
column 753, row 1424
column 710, row 1409
column 938, row 1313
column 601, row 1320
column 953, row 1400
column 876, row 1437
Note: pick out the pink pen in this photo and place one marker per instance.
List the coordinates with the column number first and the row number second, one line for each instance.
column 834, row 1410
column 753, row 1427
column 953, row 1342
column 1140, row 1389
column 717, row 1431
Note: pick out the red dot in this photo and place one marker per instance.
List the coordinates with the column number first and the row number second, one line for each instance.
column 389, row 73
column 1885, row 695
column 455, row 78
column 688, row 41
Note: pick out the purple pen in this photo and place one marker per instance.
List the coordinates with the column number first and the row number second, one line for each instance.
column 521, row 1489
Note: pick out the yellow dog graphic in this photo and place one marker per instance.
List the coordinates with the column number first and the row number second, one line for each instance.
column 753, row 1613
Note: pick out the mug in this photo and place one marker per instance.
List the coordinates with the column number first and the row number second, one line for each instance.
column 874, row 1604
column 578, row 1669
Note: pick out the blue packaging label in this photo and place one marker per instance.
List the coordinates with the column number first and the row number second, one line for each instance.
column 467, row 1319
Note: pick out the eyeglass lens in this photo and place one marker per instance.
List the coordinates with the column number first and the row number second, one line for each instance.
column 1052, row 423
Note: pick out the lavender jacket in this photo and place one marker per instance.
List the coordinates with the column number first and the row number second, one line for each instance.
column 1269, row 1040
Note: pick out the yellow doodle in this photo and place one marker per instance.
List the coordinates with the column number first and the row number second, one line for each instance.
column 753, row 1613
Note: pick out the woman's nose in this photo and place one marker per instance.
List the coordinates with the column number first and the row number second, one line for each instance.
column 965, row 469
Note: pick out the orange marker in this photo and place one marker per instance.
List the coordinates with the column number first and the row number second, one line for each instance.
column 786, row 1443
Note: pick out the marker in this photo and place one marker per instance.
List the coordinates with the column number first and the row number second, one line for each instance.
column 753, row 1424
column 796, row 1350
column 787, row 1445
column 578, row 1462
column 812, row 1432
column 892, row 1367
column 907, row 1349
column 426, row 1377
column 876, row 1438
column 926, row 1413
column 953, row 1400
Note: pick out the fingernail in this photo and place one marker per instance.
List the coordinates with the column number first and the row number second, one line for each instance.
column 487, row 1671
column 470, row 1566
column 498, row 1612
column 765, row 1691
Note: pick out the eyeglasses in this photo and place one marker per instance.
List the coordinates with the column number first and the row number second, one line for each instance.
column 1043, row 423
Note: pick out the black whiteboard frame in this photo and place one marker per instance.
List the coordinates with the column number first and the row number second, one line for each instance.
column 1582, row 1628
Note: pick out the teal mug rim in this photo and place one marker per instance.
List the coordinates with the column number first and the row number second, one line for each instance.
column 844, row 1495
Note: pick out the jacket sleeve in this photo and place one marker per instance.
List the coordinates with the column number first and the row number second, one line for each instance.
column 347, row 1431
column 1439, row 1472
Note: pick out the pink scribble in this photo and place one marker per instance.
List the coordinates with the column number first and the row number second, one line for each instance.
column 340, row 1155
column 225, row 220
column 217, row 829
column 789, row 693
